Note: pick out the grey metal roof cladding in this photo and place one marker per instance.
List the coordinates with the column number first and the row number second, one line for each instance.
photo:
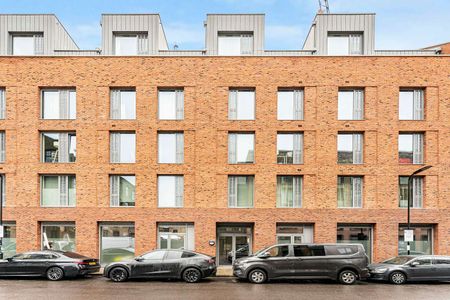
column 57, row 41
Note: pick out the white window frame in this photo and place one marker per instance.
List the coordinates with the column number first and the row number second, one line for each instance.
column 234, row 149
column 178, row 107
column 114, row 147
column 417, row 191
column 357, row 147
column 417, row 105
column 357, row 104
column 65, row 224
column 178, row 151
column 189, row 236
column 297, row 191
column 117, row 102
column 142, row 44
column 297, row 153
column 232, row 186
column 66, row 178
column 233, row 105
column 113, row 194
column 356, row 203
column 246, row 43
column 65, row 145
column 355, row 43
column 297, row 105
column 64, row 102
column 178, row 191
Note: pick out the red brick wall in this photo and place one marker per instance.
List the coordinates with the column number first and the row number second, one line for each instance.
column 206, row 81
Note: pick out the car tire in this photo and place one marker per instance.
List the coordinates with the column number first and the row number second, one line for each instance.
column 118, row 274
column 397, row 277
column 257, row 276
column 192, row 275
column 54, row 274
column 348, row 277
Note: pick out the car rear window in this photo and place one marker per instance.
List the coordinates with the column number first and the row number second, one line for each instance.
column 341, row 250
column 187, row 254
column 73, row 255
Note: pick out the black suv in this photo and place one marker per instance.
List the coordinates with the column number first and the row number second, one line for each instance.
column 343, row 262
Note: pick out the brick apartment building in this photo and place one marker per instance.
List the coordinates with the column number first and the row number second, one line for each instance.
column 225, row 150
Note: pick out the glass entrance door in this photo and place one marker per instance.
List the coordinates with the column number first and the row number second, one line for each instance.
column 232, row 246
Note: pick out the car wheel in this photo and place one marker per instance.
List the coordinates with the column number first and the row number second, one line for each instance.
column 118, row 274
column 257, row 276
column 397, row 278
column 55, row 274
column 347, row 277
column 192, row 275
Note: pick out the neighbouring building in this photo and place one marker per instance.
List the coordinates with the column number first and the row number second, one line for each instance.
column 116, row 151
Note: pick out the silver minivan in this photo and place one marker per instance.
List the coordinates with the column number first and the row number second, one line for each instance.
column 343, row 262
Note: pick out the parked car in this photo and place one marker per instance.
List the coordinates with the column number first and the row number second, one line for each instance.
column 55, row 265
column 182, row 264
column 343, row 262
column 401, row 269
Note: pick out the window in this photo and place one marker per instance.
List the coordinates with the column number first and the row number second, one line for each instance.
column 350, row 190
column 240, row 191
column 58, row 104
column 131, row 43
column 411, row 104
column 416, row 193
column 123, row 147
column 27, row 43
column 116, row 242
column 442, row 261
column 59, row 147
column 278, row 251
column 3, row 194
column 2, row 146
column 235, row 43
column 2, row 104
column 123, row 104
column 290, row 104
column 304, row 250
column 170, row 191
column 173, row 255
column 171, row 104
column 345, row 44
column 170, row 148
column 351, row 104
column 123, row 190
column 60, row 237
column 154, row 255
column 340, row 250
column 410, row 148
column 241, row 148
column 290, row 148
column 356, row 234
column 294, row 233
column 350, row 148
column 176, row 236
column 8, row 247
column 241, row 105
column 289, row 191
column 58, row 190
column 423, row 240
column 423, row 261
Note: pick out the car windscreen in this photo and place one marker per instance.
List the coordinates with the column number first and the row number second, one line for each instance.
column 400, row 260
column 73, row 255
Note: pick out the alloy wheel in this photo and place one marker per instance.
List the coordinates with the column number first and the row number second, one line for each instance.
column 257, row 276
column 118, row 274
column 191, row 275
column 398, row 278
column 55, row 274
column 347, row 277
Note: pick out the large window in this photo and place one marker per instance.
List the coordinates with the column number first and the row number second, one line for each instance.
column 59, row 237
column 235, row 43
column 351, row 104
column 8, row 247
column 356, row 234
column 410, row 148
column 58, row 104
column 2, row 146
column 176, row 236
column 241, row 105
column 123, row 190
column 59, row 147
column 170, row 191
column 241, row 148
column 116, row 242
column 27, row 43
column 3, row 194
column 423, row 240
column 350, row 191
column 123, row 147
column 350, row 148
column 131, row 43
column 171, row 148
column 411, row 104
column 294, row 233
column 289, row 191
column 416, row 191
column 290, row 148
column 290, row 104
column 123, row 104
column 2, row 104
column 240, row 191
column 171, row 104
column 345, row 43
column 58, row 190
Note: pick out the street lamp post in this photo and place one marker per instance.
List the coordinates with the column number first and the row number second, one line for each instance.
column 410, row 178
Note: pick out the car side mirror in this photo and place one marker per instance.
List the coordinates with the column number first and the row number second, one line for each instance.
column 138, row 258
column 264, row 255
column 414, row 264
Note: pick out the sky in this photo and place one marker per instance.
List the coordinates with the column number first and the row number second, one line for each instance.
column 400, row 24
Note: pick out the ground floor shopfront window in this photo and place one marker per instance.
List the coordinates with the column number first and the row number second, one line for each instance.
column 356, row 234
column 117, row 242
column 176, row 236
column 9, row 240
column 294, row 233
column 423, row 240
column 58, row 236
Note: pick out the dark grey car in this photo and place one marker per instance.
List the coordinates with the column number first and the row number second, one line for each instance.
column 180, row 264
column 343, row 262
column 405, row 268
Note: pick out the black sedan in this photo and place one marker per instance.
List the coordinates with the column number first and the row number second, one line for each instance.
column 401, row 269
column 178, row 264
column 55, row 265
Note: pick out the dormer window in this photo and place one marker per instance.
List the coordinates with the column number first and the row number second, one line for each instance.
column 131, row 43
column 233, row 43
column 27, row 43
column 345, row 44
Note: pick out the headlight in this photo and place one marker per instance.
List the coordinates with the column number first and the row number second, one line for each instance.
column 379, row 270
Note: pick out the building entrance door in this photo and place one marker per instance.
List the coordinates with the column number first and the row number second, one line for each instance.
column 233, row 242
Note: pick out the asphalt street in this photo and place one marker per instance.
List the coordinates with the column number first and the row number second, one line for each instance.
column 213, row 288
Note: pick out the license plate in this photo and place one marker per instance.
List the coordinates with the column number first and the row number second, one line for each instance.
column 92, row 263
